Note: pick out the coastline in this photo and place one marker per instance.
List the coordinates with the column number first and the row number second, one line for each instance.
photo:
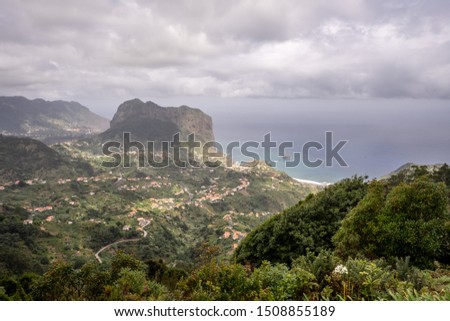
column 305, row 181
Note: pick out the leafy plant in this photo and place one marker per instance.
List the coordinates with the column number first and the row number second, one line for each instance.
column 305, row 227
column 408, row 220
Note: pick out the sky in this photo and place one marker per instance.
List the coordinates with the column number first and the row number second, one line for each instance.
column 377, row 73
column 104, row 52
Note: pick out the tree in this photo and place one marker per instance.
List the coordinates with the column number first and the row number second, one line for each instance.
column 121, row 261
column 408, row 220
column 358, row 231
column 132, row 285
column 305, row 227
column 59, row 283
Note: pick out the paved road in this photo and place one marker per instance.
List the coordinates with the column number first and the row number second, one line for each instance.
column 144, row 232
column 97, row 255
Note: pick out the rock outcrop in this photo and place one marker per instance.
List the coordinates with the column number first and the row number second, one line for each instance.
column 151, row 122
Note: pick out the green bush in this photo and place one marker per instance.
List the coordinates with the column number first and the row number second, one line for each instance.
column 411, row 274
column 414, row 295
column 305, row 227
column 121, row 261
column 297, row 285
column 167, row 276
column 409, row 220
column 321, row 265
column 269, row 278
column 132, row 285
column 413, row 221
column 60, row 283
column 219, row 281
column 360, row 279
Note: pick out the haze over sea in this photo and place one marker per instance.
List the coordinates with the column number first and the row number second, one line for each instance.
column 382, row 134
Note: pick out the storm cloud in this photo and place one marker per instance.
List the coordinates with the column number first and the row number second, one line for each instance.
column 86, row 50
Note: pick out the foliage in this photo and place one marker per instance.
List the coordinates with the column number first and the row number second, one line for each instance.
column 319, row 265
column 163, row 274
column 218, row 281
column 306, row 227
column 407, row 220
column 310, row 277
column 327, row 247
column 363, row 280
column 414, row 295
column 132, row 285
column 124, row 261
column 3, row 296
column 24, row 158
column 19, row 251
column 60, row 283
column 280, row 283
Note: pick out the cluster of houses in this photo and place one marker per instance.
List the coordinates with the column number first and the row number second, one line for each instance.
column 163, row 204
column 152, row 184
column 234, row 234
column 81, row 179
column 17, row 182
column 38, row 210
column 212, row 195
column 142, row 223
column 62, row 181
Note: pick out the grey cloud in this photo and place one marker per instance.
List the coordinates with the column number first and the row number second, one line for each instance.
column 284, row 49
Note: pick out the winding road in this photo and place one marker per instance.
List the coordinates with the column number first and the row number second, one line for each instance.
column 97, row 255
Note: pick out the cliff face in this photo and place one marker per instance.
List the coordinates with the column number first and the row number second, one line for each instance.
column 151, row 122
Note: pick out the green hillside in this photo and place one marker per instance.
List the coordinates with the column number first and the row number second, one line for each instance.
column 28, row 159
column 169, row 213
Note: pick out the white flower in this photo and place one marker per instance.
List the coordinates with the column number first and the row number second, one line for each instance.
column 340, row 269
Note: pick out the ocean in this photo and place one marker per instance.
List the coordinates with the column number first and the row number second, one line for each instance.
column 381, row 135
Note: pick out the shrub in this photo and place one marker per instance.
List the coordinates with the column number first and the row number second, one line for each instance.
column 363, row 280
column 409, row 220
column 415, row 295
column 132, row 285
column 59, row 283
column 121, row 261
column 320, row 265
column 305, row 227
column 218, row 281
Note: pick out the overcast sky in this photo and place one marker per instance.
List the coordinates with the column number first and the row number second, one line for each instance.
column 103, row 52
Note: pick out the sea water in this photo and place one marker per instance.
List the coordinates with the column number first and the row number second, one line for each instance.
column 381, row 135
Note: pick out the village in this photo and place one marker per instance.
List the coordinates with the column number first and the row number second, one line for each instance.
column 174, row 197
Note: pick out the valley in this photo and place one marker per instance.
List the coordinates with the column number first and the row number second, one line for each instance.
column 179, row 208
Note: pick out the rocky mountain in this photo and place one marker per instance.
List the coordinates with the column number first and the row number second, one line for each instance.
column 151, row 122
column 49, row 121
column 24, row 158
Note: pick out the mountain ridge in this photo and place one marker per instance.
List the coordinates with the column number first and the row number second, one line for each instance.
column 48, row 120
